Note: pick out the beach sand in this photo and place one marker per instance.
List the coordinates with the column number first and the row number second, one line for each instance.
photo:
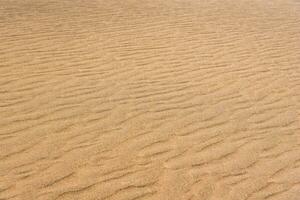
column 149, row 100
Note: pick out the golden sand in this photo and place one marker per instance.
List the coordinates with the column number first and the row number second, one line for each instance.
column 149, row 100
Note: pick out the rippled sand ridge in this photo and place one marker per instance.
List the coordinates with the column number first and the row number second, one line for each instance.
column 149, row 100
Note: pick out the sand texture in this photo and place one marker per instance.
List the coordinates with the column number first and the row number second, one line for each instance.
column 149, row 100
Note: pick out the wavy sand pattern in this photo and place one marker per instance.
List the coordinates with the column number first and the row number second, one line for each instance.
column 149, row 99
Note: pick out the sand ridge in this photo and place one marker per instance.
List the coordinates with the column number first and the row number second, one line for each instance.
column 140, row 99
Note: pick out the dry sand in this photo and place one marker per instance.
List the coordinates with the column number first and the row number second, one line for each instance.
column 149, row 99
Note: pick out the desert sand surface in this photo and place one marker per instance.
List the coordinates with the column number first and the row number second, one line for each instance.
column 149, row 100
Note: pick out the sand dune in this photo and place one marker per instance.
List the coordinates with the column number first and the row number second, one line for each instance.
column 149, row 99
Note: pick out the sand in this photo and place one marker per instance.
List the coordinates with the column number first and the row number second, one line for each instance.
column 149, row 100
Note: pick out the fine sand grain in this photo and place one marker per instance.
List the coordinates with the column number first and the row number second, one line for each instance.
column 149, row 100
